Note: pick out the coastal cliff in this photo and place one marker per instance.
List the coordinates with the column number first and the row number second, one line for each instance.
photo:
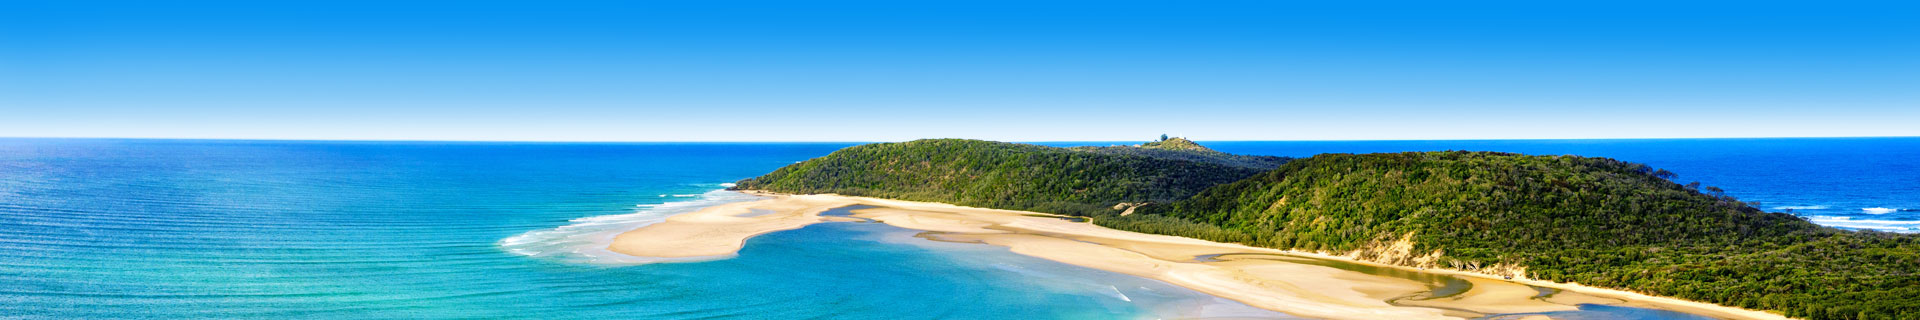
column 1593, row 221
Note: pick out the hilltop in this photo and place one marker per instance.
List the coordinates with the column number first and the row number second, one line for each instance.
column 1177, row 144
column 1182, row 149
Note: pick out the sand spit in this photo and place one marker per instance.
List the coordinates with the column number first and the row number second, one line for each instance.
column 721, row 230
column 1303, row 284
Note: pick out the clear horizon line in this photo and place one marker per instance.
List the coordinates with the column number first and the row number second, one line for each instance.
column 877, row 141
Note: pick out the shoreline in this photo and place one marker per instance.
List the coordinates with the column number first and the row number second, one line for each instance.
column 1302, row 289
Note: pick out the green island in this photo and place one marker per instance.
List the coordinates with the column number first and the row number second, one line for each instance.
column 1595, row 221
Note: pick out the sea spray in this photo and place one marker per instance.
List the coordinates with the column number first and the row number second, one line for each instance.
column 585, row 240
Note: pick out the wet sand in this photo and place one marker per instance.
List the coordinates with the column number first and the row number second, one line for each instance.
column 1304, row 284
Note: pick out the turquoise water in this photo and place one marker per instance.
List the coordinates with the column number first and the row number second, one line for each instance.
column 240, row 229
column 94, row 228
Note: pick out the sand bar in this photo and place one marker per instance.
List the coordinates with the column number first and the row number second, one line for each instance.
column 1279, row 282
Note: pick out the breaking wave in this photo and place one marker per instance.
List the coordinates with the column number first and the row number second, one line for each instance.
column 585, row 240
column 1864, row 224
column 1878, row 210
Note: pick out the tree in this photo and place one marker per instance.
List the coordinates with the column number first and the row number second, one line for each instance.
column 1163, row 137
column 1664, row 174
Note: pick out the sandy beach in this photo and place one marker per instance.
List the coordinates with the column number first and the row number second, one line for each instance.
column 1313, row 285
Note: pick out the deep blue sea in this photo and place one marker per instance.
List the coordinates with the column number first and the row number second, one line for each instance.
column 106, row 228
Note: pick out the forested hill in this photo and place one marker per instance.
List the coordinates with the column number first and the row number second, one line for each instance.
column 998, row 175
column 1594, row 221
column 1183, row 149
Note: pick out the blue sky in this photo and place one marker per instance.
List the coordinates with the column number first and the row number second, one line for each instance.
column 1017, row 70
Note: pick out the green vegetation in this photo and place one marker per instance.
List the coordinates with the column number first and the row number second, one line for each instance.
column 1593, row 221
column 1183, row 149
column 1176, row 144
column 998, row 175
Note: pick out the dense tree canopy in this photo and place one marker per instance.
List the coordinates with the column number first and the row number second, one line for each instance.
column 998, row 175
column 1594, row 221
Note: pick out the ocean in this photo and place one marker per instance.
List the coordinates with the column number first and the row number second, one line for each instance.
column 117, row 228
